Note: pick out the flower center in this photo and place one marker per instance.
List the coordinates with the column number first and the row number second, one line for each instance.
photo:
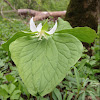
column 41, row 33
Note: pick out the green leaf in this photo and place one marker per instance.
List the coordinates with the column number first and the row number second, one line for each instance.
column 5, row 87
column 85, row 82
column 41, row 98
column 54, row 96
column 84, row 34
column 1, row 63
column 98, row 90
column 8, row 88
column 92, row 95
column 83, row 95
column 82, row 63
column 3, row 93
column 77, row 78
column 15, row 95
column 58, row 94
column 23, row 88
column 70, row 96
column 11, row 88
column 1, row 75
column 23, row 99
column 42, row 64
column 17, row 35
column 65, row 95
column 10, row 78
column 79, row 97
column 62, row 25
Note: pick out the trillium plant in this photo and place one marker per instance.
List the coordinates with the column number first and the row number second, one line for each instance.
column 43, row 57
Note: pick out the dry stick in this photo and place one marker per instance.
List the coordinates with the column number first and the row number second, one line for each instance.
column 9, row 11
column 2, row 12
column 38, row 15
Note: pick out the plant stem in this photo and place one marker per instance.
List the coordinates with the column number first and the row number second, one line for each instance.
column 51, row 96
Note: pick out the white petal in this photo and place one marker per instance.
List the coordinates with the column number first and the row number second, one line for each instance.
column 32, row 25
column 39, row 27
column 53, row 29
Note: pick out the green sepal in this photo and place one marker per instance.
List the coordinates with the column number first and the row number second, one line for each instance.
column 45, row 26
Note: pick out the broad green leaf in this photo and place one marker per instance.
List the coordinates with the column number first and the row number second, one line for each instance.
column 15, row 95
column 10, row 78
column 8, row 88
column 3, row 93
column 5, row 87
column 84, row 34
column 58, row 94
column 42, row 64
column 11, row 88
column 17, row 35
column 62, row 25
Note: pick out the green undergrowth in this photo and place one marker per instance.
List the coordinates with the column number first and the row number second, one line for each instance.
column 81, row 82
column 40, row 5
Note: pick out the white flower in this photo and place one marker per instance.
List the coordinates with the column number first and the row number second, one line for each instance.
column 39, row 30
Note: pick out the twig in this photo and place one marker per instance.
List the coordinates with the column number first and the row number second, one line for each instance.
column 38, row 15
column 2, row 12
column 9, row 4
column 9, row 11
